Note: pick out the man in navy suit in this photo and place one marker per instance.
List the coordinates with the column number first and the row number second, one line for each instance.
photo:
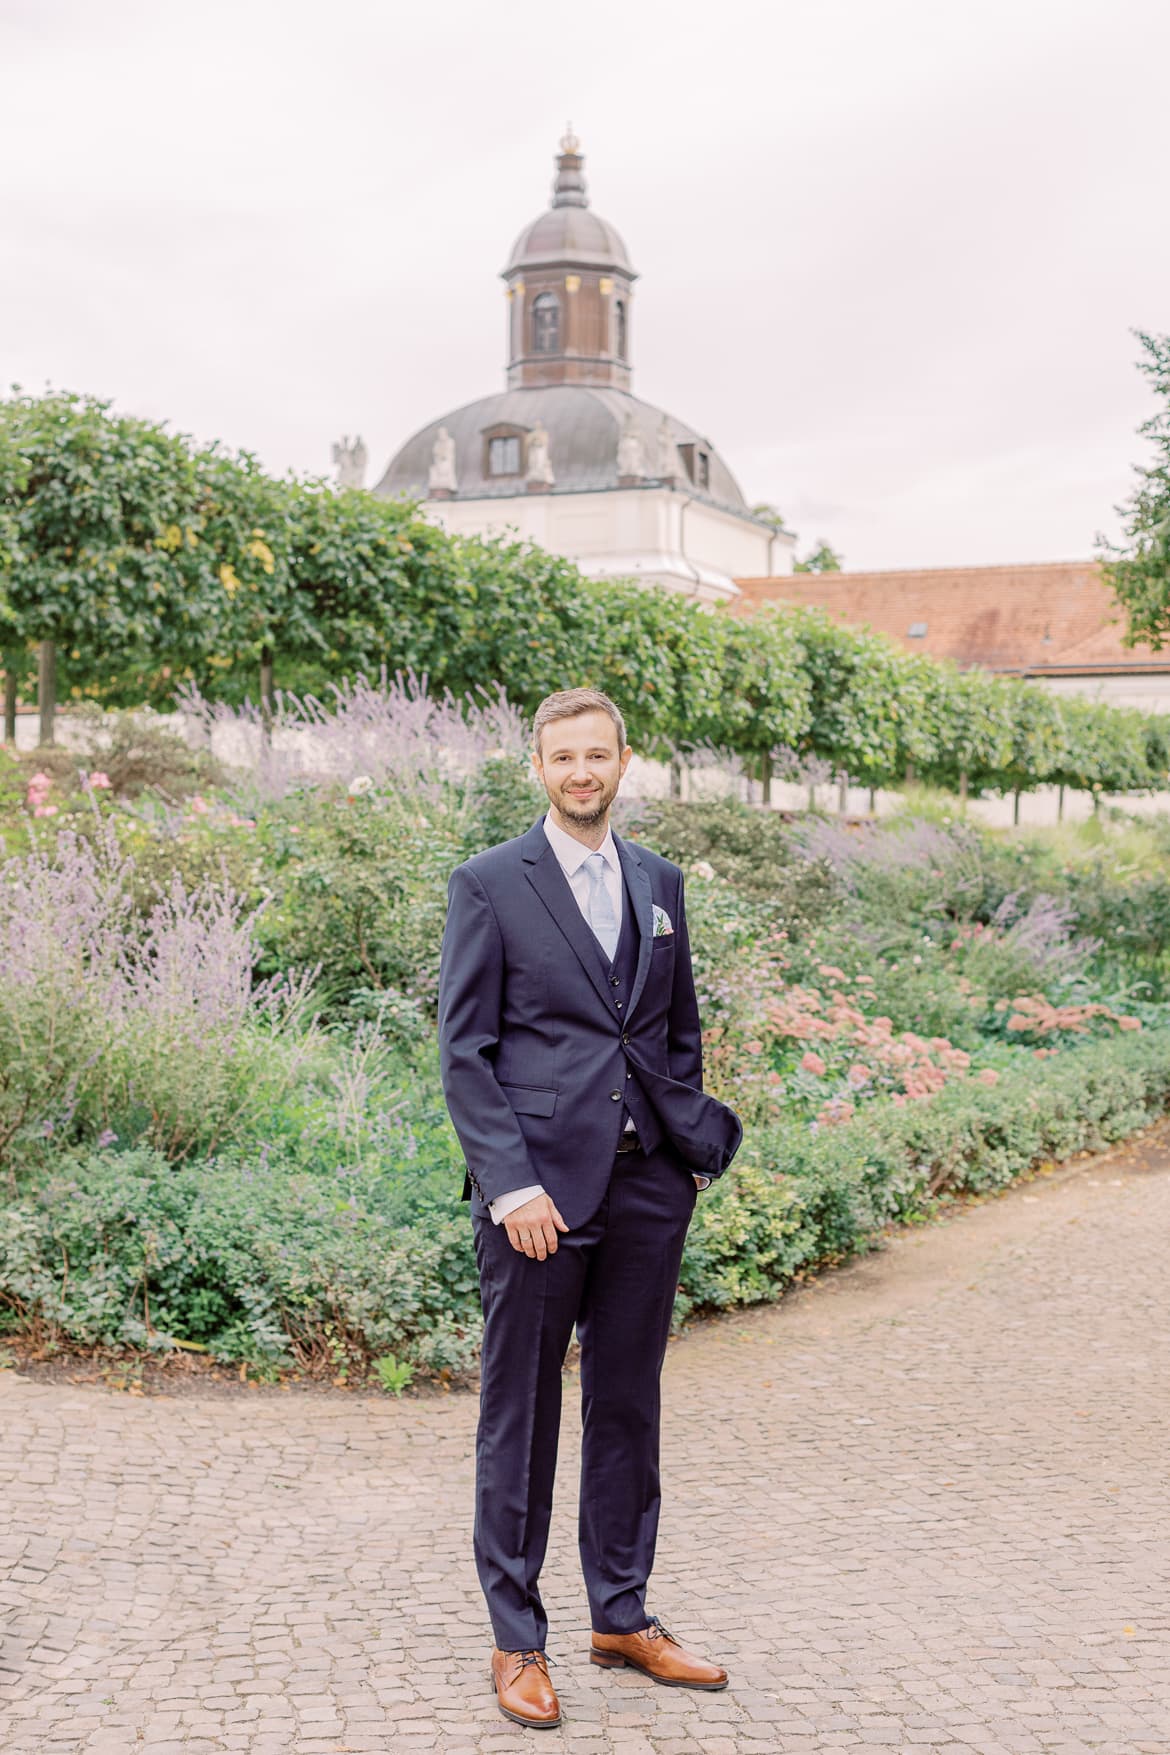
column 572, row 1066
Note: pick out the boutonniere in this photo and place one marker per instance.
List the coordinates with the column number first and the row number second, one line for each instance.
column 662, row 922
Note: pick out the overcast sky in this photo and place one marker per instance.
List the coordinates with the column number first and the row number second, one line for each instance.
column 891, row 250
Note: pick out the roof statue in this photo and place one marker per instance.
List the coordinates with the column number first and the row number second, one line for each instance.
column 441, row 478
column 350, row 458
column 665, row 451
column 539, row 473
column 631, row 456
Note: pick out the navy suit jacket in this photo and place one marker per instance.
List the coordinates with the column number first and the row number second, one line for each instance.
column 534, row 1055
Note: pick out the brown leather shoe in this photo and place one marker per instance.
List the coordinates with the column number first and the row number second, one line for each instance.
column 658, row 1655
column 523, row 1691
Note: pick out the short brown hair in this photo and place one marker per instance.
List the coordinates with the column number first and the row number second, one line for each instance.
column 570, row 704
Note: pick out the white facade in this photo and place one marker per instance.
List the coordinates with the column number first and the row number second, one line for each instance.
column 661, row 534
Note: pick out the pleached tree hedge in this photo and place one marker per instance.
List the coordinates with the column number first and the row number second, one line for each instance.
column 135, row 561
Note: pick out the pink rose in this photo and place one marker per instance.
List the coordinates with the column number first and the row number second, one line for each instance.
column 45, row 810
column 858, row 1074
column 988, row 1076
column 99, row 782
column 812, row 1063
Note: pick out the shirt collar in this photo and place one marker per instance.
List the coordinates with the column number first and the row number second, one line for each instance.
column 571, row 854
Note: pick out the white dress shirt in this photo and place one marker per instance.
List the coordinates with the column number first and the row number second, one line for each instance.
column 571, row 856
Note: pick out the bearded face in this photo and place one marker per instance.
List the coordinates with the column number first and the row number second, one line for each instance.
column 580, row 767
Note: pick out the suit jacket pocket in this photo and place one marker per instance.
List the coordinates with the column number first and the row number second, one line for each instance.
column 530, row 1099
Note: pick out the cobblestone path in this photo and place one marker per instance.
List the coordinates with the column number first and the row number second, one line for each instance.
column 922, row 1507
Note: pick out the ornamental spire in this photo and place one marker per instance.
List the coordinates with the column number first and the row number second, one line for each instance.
column 569, row 183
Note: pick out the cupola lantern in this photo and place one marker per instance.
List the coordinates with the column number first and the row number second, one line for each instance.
column 569, row 283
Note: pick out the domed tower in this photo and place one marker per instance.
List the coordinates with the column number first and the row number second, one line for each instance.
column 569, row 284
column 566, row 455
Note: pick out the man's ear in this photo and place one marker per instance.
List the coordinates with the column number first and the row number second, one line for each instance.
column 537, row 765
column 626, row 756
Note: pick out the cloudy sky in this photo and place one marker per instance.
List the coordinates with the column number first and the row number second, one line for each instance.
column 892, row 251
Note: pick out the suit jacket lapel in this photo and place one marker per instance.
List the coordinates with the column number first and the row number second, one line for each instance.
column 638, row 886
column 542, row 868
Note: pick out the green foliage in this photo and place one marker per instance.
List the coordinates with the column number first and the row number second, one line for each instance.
column 797, row 1199
column 822, row 559
column 1139, row 568
column 151, row 563
column 752, row 850
column 256, row 1260
column 393, row 1374
column 247, row 1256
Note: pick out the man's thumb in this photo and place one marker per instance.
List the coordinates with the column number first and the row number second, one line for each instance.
column 557, row 1220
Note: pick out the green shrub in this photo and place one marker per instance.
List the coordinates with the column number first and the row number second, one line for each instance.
column 797, row 1197
column 257, row 1259
column 246, row 1257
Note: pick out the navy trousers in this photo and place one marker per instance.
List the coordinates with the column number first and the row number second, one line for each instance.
column 615, row 1278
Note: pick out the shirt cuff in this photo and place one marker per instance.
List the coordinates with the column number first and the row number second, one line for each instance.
column 507, row 1203
column 702, row 1181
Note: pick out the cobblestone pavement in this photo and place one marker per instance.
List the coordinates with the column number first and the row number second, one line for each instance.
column 922, row 1507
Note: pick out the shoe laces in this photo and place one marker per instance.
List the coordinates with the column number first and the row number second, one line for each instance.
column 655, row 1630
column 524, row 1659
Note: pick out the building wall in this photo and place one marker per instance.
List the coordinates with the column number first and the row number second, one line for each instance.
column 658, row 534
column 1150, row 694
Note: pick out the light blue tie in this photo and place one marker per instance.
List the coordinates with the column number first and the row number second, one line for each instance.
column 600, row 914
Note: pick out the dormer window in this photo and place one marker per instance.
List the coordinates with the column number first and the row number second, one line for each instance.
column 546, row 323
column 504, row 456
column 504, row 448
column 697, row 463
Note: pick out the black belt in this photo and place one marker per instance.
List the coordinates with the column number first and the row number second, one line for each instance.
column 629, row 1142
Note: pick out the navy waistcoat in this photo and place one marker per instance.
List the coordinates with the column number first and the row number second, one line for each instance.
column 621, row 974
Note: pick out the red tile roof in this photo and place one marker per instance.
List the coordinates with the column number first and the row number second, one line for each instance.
column 1056, row 618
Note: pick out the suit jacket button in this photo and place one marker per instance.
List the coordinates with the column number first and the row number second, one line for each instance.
column 615, row 980
column 615, row 1096
column 625, row 1035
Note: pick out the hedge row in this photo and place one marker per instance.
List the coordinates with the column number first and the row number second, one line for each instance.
column 132, row 562
column 256, row 1262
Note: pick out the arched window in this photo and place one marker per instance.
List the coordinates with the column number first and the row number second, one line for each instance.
column 619, row 326
column 546, row 323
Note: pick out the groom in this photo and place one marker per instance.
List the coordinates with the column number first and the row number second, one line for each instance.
column 572, row 1066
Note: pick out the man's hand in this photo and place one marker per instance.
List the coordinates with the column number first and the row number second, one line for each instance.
column 532, row 1229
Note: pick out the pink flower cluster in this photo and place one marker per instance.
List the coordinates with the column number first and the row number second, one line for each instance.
column 909, row 1066
column 37, row 796
column 1033, row 1015
column 222, row 817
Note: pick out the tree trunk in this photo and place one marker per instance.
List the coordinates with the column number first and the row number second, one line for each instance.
column 843, row 795
column 676, row 776
column 812, row 795
column 963, row 790
column 873, row 801
column 10, row 697
column 766, row 780
column 46, row 689
column 910, row 774
column 1016, row 808
column 1060, row 803
column 267, row 689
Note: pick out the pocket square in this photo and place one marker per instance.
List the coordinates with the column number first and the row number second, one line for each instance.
column 662, row 922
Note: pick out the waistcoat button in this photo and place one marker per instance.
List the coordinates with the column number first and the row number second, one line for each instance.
column 615, row 1096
